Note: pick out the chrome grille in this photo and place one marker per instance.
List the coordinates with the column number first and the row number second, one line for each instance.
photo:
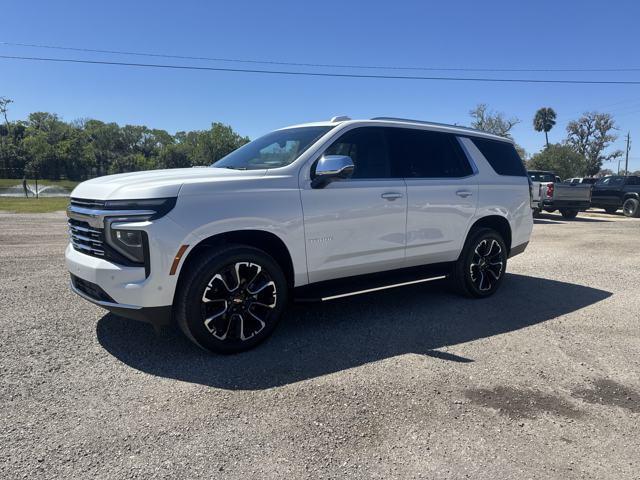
column 86, row 239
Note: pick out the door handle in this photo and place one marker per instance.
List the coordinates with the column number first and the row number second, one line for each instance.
column 391, row 196
column 464, row 193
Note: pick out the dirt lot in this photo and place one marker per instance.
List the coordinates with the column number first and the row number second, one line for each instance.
column 540, row 381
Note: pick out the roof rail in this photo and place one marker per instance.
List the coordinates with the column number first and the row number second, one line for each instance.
column 340, row 118
column 409, row 120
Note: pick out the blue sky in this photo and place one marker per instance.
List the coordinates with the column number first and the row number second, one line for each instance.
column 498, row 34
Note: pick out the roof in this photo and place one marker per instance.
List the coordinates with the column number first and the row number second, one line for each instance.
column 457, row 129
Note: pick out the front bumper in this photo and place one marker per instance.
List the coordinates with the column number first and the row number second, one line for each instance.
column 157, row 316
column 125, row 291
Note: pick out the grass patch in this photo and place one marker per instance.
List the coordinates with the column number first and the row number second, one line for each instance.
column 33, row 205
column 11, row 182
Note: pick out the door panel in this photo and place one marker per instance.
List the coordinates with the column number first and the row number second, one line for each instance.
column 354, row 227
column 442, row 193
column 439, row 212
column 607, row 192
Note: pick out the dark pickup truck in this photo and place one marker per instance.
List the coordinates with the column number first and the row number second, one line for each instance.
column 614, row 192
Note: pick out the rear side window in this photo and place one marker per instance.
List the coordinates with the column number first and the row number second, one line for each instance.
column 502, row 156
column 427, row 154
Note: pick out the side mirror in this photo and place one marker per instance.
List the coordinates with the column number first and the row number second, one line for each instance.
column 330, row 168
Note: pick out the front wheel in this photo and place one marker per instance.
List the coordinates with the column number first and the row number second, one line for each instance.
column 232, row 300
column 479, row 271
column 569, row 214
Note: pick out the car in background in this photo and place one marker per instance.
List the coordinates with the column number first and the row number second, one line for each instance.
column 617, row 191
column 549, row 193
column 589, row 180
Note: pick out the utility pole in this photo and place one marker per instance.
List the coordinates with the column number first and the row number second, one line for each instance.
column 626, row 158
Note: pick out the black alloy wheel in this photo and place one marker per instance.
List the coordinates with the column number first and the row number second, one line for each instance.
column 232, row 300
column 480, row 270
column 238, row 301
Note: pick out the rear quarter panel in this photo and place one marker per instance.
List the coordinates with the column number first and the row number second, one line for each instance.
column 502, row 195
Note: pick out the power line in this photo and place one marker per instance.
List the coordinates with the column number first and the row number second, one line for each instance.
column 322, row 65
column 325, row 74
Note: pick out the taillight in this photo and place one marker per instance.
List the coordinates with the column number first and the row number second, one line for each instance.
column 549, row 189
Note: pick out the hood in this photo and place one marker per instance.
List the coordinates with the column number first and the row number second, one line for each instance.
column 156, row 183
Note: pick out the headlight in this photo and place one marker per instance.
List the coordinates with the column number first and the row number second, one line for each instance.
column 130, row 243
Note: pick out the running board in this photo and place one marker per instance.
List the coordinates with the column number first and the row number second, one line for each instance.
column 350, row 286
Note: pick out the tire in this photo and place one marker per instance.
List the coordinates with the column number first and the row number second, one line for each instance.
column 535, row 212
column 569, row 214
column 611, row 210
column 479, row 272
column 549, row 210
column 237, row 315
column 631, row 208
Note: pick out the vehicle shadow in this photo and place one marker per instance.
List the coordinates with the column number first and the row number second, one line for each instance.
column 323, row 338
column 541, row 221
column 557, row 218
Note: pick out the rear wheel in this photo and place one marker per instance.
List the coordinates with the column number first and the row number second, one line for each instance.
column 631, row 207
column 232, row 300
column 569, row 213
column 611, row 209
column 480, row 269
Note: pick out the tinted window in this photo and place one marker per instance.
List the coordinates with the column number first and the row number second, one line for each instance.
column 542, row 176
column 633, row 180
column 611, row 181
column 367, row 147
column 427, row 154
column 502, row 156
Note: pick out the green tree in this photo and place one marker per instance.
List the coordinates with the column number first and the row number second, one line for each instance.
column 561, row 159
column 590, row 136
column 47, row 146
column 174, row 156
column 544, row 121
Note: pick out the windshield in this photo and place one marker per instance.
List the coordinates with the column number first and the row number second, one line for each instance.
column 274, row 150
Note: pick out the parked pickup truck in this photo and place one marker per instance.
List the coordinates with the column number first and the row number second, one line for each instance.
column 550, row 194
column 614, row 192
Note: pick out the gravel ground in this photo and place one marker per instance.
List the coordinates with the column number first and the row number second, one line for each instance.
column 540, row 381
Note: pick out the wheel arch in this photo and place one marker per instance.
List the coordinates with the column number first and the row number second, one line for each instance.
column 629, row 195
column 496, row 222
column 263, row 240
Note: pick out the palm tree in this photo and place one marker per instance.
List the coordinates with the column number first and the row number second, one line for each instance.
column 544, row 121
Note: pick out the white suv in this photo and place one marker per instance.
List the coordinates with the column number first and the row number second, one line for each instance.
column 316, row 211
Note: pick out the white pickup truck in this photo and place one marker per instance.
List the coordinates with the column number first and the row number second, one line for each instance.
column 550, row 194
column 313, row 212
